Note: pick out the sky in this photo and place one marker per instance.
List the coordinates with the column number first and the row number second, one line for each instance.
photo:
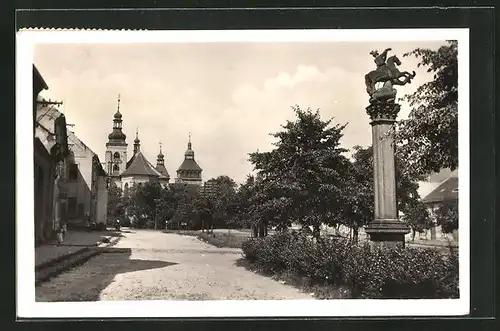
column 230, row 96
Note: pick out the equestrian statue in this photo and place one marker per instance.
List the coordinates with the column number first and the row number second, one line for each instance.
column 388, row 74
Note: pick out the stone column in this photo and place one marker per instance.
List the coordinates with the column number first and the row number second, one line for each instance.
column 386, row 228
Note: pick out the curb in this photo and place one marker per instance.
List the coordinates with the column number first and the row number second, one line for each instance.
column 61, row 258
column 55, row 267
column 69, row 262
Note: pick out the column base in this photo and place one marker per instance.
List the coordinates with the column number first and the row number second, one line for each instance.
column 387, row 232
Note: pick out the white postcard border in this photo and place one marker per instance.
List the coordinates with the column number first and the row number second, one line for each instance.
column 28, row 308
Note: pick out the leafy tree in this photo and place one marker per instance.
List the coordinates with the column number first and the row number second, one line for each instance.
column 358, row 199
column 115, row 207
column 428, row 139
column 417, row 217
column 244, row 196
column 149, row 203
column 303, row 178
column 221, row 200
column 447, row 216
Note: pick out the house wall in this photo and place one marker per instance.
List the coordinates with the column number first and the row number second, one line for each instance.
column 80, row 188
column 43, row 194
column 131, row 180
column 102, row 200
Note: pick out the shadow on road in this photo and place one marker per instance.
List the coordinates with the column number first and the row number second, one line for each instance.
column 87, row 281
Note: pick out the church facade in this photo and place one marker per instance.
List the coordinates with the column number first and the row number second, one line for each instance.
column 125, row 172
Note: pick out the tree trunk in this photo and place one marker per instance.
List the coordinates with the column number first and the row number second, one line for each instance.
column 413, row 235
column 261, row 229
column 316, row 231
column 355, row 235
column 255, row 231
column 265, row 229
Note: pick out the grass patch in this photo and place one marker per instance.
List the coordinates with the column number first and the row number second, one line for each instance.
column 218, row 239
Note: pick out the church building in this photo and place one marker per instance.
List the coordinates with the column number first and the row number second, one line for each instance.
column 126, row 172
column 189, row 171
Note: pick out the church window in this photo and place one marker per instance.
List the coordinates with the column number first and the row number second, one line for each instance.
column 125, row 191
column 116, row 156
column 116, row 169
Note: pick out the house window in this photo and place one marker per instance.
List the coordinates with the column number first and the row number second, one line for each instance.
column 73, row 172
column 71, row 206
column 455, row 190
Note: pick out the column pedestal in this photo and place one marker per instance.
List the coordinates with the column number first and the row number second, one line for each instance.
column 386, row 229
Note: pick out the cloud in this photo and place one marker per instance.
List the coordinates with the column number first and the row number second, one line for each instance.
column 304, row 73
column 230, row 96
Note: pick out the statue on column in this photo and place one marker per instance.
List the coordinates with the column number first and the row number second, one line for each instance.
column 387, row 74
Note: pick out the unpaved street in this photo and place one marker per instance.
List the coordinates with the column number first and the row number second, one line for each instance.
column 151, row 265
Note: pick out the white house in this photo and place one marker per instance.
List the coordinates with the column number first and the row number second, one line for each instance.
column 86, row 184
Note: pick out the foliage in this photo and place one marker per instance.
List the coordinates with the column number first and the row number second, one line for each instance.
column 221, row 200
column 447, row 216
column 149, row 203
column 369, row 272
column 115, row 207
column 428, row 139
column 303, row 178
column 358, row 201
column 417, row 216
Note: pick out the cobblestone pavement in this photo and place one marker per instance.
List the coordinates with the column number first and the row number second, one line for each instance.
column 149, row 265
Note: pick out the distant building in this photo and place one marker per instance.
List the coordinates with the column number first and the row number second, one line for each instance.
column 126, row 172
column 87, row 192
column 445, row 192
column 189, row 171
column 209, row 187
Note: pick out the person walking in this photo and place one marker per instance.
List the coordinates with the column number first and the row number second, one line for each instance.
column 60, row 236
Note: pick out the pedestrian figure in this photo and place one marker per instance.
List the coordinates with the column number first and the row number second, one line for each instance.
column 59, row 235
column 64, row 230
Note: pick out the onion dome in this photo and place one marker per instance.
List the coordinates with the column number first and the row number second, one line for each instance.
column 117, row 137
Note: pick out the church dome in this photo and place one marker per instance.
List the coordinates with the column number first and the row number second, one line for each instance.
column 117, row 135
column 118, row 115
column 189, row 152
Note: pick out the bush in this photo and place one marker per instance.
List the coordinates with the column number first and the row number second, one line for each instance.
column 370, row 272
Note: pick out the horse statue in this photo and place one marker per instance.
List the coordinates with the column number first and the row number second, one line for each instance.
column 388, row 74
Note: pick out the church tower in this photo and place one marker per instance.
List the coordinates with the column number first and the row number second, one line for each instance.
column 189, row 171
column 116, row 147
column 160, row 166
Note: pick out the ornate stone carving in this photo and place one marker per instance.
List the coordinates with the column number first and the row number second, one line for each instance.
column 387, row 74
column 383, row 111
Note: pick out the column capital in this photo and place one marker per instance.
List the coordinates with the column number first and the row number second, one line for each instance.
column 383, row 112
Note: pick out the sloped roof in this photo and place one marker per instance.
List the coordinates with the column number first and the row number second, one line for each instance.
column 95, row 158
column 446, row 191
column 129, row 162
column 189, row 164
column 139, row 165
column 162, row 170
column 50, row 126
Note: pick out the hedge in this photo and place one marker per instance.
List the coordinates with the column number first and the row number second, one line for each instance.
column 369, row 271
